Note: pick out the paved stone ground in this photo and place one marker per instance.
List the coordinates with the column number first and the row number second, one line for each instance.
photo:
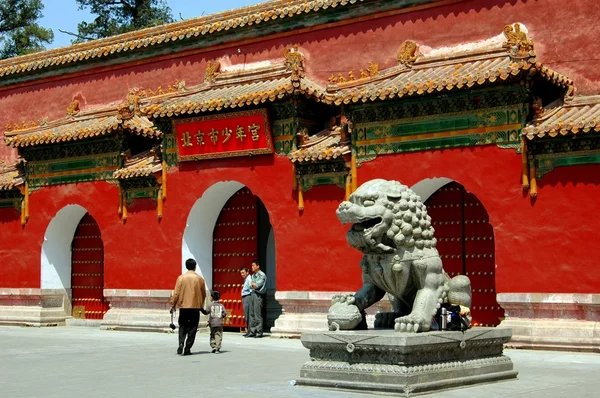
column 87, row 362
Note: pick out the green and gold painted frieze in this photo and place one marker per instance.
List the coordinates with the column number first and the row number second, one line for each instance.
column 140, row 188
column 11, row 198
column 550, row 153
column 71, row 163
column 322, row 173
column 466, row 119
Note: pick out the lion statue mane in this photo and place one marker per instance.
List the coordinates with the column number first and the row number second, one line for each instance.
column 390, row 226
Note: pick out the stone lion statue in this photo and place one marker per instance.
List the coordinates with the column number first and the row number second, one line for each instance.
column 391, row 227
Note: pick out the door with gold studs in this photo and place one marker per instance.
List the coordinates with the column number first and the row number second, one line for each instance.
column 87, row 271
column 235, row 245
column 466, row 245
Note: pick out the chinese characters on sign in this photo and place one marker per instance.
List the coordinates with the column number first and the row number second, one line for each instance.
column 226, row 135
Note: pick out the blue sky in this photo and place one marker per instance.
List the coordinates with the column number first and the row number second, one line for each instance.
column 63, row 14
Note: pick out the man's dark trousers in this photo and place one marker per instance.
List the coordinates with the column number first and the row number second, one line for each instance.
column 188, row 326
column 256, row 318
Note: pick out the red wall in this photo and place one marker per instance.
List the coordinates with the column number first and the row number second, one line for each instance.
column 144, row 253
column 552, row 233
column 542, row 245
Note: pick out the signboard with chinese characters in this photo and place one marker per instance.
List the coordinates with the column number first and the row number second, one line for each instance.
column 224, row 135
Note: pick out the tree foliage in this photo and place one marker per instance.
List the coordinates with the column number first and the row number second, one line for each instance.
column 19, row 31
column 119, row 16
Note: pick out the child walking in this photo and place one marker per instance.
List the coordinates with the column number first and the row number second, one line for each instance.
column 216, row 313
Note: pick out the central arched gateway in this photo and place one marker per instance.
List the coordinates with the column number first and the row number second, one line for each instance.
column 237, row 241
column 228, row 228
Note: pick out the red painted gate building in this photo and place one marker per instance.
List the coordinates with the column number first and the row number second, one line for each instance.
column 234, row 137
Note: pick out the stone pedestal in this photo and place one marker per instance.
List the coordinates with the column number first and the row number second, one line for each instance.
column 553, row 321
column 140, row 310
column 34, row 307
column 392, row 362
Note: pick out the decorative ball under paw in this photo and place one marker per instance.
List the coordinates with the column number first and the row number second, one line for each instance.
column 342, row 316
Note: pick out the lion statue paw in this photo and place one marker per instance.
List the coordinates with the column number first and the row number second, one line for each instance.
column 343, row 313
column 412, row 324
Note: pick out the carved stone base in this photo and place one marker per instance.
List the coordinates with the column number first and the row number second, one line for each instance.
column 392, row 362
column 34, row 307
column 553, row 321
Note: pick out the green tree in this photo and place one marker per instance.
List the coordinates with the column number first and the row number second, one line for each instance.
column 19, row 32
column 119, row 16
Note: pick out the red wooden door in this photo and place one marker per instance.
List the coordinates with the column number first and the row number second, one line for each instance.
column 235, row 245
column 87, row 270
column 466, row 244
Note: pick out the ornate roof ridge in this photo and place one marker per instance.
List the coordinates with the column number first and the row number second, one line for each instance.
column 429, row 62
column 88, row 114
column 92, row 123
column 11, row 176
column 327, row 144
column 477, row 63
column 576, row 115
column 227, row 78
column 199, row 26
column 581, row 100
column 141, row 165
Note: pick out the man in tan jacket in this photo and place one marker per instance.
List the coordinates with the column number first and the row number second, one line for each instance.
column 189, row 296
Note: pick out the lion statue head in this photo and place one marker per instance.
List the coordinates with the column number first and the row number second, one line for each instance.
column 386, row 217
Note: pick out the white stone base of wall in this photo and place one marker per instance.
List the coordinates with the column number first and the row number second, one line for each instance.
column 307, row 311
column 552, row 321
column 140, row 310
column 137, row 310
column 34, row 307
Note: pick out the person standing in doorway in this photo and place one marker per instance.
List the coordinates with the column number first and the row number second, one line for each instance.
column 189, row 296
column 259, row 289
column 246, row 297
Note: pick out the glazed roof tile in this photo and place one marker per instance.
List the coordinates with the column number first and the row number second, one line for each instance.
column 578, row 115
column 11, row 177
column 79, row 128
column 194, row 27
column 325, row 145
column 232, row 90
column 141, row 165
column 441, row 70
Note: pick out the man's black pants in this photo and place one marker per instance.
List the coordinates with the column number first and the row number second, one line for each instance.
column 188, row 326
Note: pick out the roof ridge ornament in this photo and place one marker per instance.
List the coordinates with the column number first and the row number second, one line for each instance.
column 407, row 53
column 517, row 43
column 73, row 108
column 212, row 70
column 294, row 61
column 130, row 106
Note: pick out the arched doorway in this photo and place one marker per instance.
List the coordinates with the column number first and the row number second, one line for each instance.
column 240, row 236
column 87, row 270
column 228, row 228
column 466, row 244
column 72, row 262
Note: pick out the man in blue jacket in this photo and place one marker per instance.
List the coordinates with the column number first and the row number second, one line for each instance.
column 246, row 297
